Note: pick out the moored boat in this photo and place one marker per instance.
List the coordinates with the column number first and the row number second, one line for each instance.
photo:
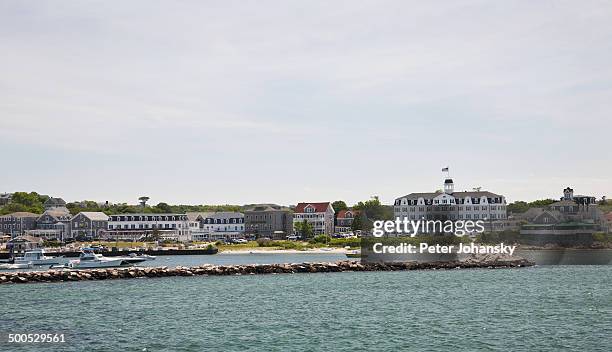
column 38, row 257
column 353, row 254
column 89, row 260
column 16, row 266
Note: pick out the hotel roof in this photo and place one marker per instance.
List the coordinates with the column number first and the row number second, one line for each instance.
column 464, row 194
column 319, row 207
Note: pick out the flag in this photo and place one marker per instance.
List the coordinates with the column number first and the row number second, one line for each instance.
column 445, row 169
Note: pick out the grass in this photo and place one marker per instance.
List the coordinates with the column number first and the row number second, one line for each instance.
column 119, row 244
column 271, row 245
column 606, row 208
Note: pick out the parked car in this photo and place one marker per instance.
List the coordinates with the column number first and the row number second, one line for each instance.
column 292, row 238
column 240, row 241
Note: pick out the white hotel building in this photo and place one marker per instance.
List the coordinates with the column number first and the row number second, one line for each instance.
column 134, row 226
column 451, row 205
column 213, row 226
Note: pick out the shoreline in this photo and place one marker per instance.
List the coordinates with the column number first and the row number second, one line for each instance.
column 261, row 250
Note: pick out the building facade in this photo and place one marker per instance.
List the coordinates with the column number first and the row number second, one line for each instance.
column 137, row 226
column 571, row 221
column 54, row 203
column 5, row 198
column 319, row 215
column 53, row 224
column 215, row 226
column 89, row 225
column 344, row 220
column 17, row 224
column 451, row 205
column 268, row 220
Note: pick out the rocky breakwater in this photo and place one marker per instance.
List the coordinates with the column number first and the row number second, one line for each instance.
column 490, row 261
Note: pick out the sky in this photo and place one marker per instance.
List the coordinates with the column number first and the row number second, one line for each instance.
column 238, row 102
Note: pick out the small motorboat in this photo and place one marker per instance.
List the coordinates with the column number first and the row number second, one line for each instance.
column 16, row 266
column 142, row 256
column 89, row 260
column 353, row 254
column 38, row 257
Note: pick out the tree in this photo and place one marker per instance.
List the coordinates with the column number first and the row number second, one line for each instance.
column 23, row 201
column 339, row 205
column 164, row 207
column 143, row 201
column 521, row 206
column 357, row 224
column 374, row 210
column 304, row 228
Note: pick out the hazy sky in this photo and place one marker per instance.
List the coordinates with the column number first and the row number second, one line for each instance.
column 215, row 102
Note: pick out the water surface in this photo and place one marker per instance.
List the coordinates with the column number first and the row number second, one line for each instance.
column 545, row 308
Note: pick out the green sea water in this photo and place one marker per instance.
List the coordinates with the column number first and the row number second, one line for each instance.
column 545, row 308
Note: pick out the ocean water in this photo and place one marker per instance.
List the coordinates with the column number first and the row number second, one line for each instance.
column 544, row 308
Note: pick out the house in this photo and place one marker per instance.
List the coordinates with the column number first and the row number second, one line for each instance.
column 319, row 215
column 54, row 203
column 15, row 224
column 268, row 221
column 345, row 218
column 19, row 245
column 138, row 226
column 5, row 198
column 54, row 223
column 571, row 221
column 89, row 224
column 215, row 226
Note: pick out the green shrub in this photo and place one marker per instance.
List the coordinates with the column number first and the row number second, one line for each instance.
column 320, row 239
column 602, row 237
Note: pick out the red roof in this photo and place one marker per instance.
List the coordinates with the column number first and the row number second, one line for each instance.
column 319, row 207
column 342, row 213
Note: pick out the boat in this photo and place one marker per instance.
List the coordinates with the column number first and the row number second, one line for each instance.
column 38, row 257
column 89, row 259
column 16, row 266
column 353, row 254
column 144, row 257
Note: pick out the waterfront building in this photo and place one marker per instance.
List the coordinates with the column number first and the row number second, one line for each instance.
column 577, row 208
column 450, row 205
column 215, row 226
column 19, row 245
column 268, row 220
column 319, row 215
column 18, row 223
column 345, row 218
column 89, row 224
column 138, row 226
column 571, row 221
column 53, row 224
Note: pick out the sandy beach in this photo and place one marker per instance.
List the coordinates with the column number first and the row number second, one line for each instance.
column 263, row 250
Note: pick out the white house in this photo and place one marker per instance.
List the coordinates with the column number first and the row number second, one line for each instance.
column 215, row 226
column 319, row 215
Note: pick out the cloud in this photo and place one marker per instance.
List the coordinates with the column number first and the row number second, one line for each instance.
column 488, row 87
